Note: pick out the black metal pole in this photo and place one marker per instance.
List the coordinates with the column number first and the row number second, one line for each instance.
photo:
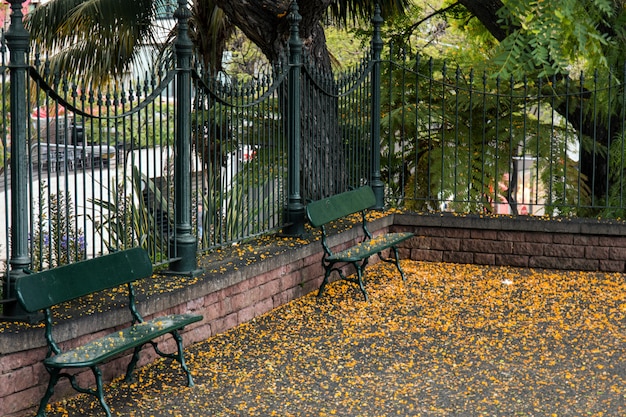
column 295, row 206
column 17, row 38
column 183, row 244
column 377, row 46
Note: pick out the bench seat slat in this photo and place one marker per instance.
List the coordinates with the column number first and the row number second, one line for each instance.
column 369, row 247
column 113, row 344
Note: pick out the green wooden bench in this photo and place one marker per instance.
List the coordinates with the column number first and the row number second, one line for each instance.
column 339, row 206
column 43, row 290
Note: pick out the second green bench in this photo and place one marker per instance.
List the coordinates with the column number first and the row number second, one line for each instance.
column 339, row 206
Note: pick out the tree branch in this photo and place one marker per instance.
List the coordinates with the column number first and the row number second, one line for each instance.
column 487, row 12
column 415, row 25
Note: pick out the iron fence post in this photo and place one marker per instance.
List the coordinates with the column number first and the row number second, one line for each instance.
column 295, row 206
column 377, row 45
column 183, row 244
column 17, row 38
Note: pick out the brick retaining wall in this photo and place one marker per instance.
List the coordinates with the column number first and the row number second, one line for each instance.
column 238, row 295
column 524, row 241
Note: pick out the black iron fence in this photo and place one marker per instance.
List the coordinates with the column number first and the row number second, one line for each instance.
column 238, row 136
column 182, row 163
column 100, row 168
column 464, row 140
column 177, row 163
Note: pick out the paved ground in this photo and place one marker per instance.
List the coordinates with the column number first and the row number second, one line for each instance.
column 455, row 340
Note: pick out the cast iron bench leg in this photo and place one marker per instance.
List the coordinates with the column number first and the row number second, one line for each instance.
column 100, row 390
column 181, row 358
column 54, row 378
column 359, row 273
column 395, row 260
column 326, row 275
column 395, row 254
column 131, row 365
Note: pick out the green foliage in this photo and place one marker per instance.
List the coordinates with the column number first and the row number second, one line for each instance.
column 248, row 207
column 102, row 36
column 615, row 204
column 149, row 126
column 345, row 47
column 126, row 219
column 245, row 60
column 546, row 38
column 5, row 156
column 456, row 135
column 238, row 211
column 56, row 240
column 103, row 39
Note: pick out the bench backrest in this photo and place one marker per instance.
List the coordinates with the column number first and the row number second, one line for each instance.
column 333, row 208
column 44, row 289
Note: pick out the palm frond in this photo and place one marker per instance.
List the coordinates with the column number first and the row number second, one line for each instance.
column 96, row 37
